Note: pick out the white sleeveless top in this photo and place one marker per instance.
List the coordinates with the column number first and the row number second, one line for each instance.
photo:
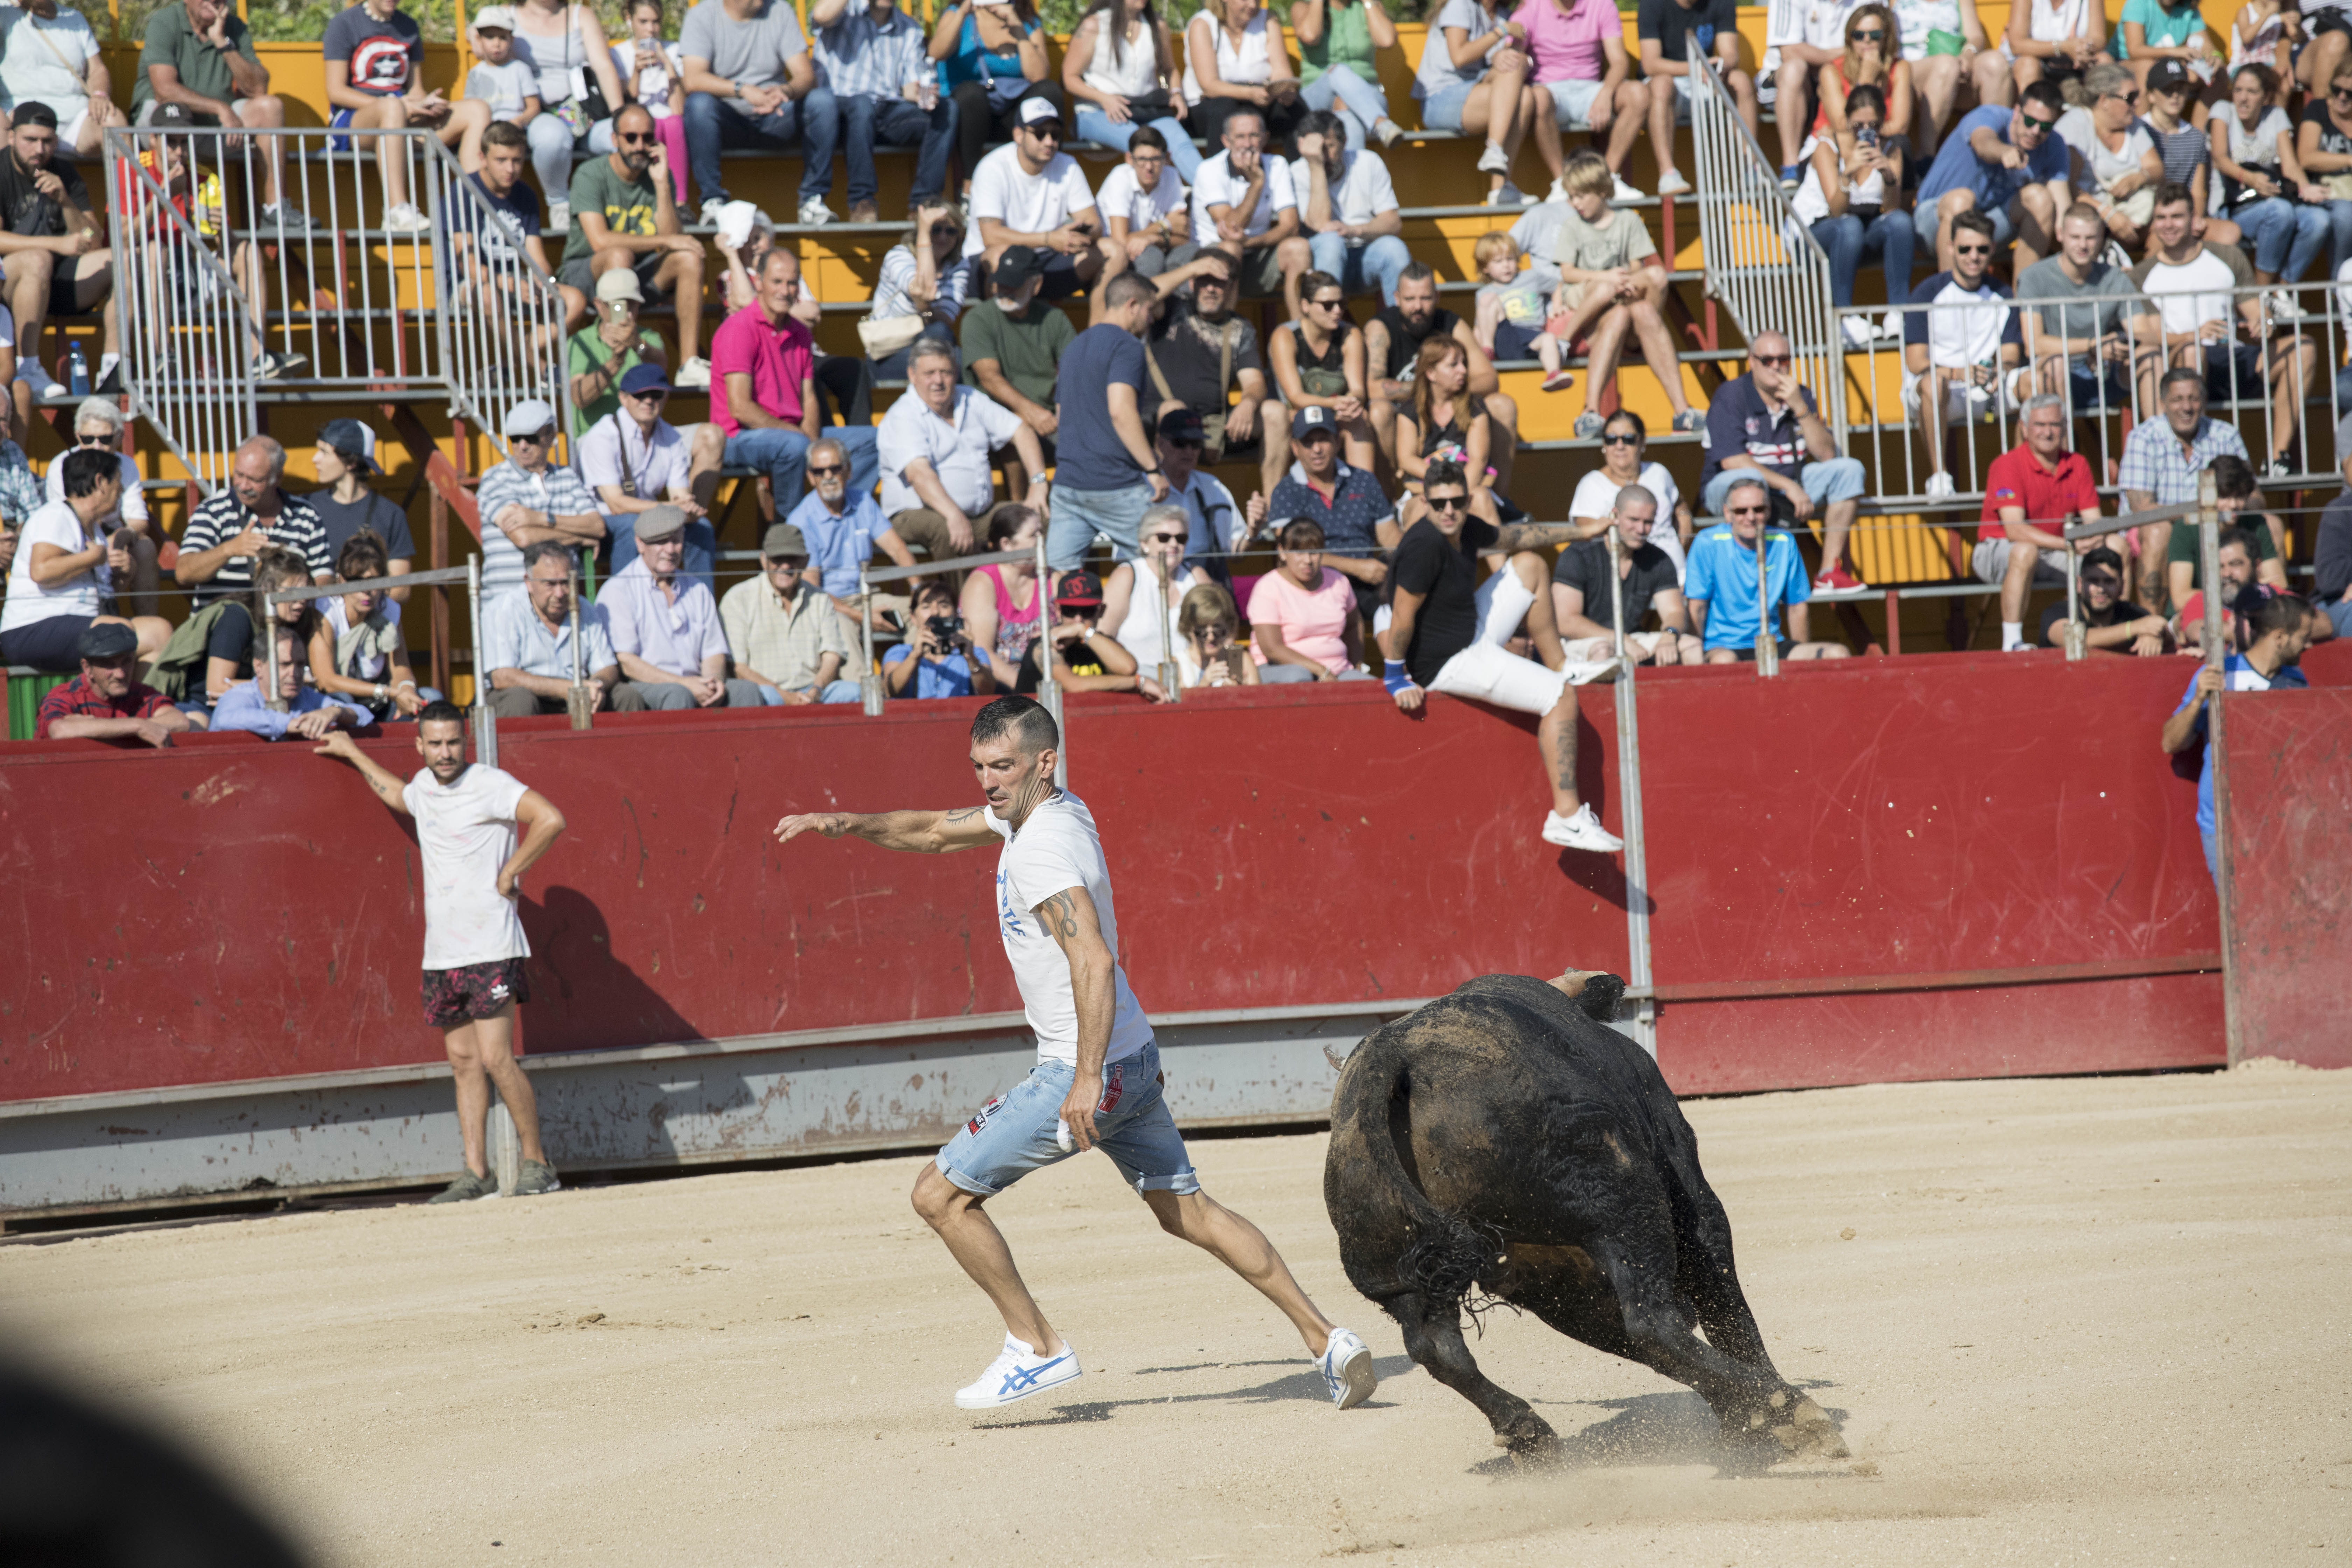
column 2054, row 23
column 1249, row 65
column 1140, row 633
column 1137, row 71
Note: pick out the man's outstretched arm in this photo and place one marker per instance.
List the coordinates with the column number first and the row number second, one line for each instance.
column 383, row 781
column 1069, row 918
column 917, row 832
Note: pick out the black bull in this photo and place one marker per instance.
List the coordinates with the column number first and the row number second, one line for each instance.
column 1503, row 1137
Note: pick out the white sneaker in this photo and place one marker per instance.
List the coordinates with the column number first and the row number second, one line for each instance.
column 406, row 219
column 1582, row 831
column 694, row 376
column 814, row 214
column 1939, row 485
column 1558, row 192
column 712, row 209
column 1494, row 161
column 1346, row 1368
column 1672, row 184
column 558, row 215
column 1385, row 132
column 1623, row 193
column 2283, row 308
column 1892, row 326
column 1015, row 1374
column 1506, row 194
column 1859, row 332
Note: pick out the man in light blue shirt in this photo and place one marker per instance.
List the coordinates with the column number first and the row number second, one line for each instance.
column 665, row 628
column 2280, row 628
column 527, row 641
column 1719, row 582
column 310, row 713
column 2009, row 164
column 843, row 527
column 877, row 60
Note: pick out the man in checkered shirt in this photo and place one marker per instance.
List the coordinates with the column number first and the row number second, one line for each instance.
column 2162, row 459
column 877, row 60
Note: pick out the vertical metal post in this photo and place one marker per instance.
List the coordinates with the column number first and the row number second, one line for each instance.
column 869, row 683
column 1049, row 690
column 2217, row 658
column 2074, row 642
column 265, row 631
column 486, row 718
column 1767, row 648
column 1171, row 674
column 576, row 700
column 1629, row 813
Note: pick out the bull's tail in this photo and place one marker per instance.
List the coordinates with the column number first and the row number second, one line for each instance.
column 1427, row 1251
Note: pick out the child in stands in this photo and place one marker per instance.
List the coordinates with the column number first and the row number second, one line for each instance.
column 1611, row 283
column 509, row 85
column 1510, row 314
column 653, row 72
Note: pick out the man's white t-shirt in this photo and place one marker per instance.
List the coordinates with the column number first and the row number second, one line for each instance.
column 1122, row 195
column 1362, row 193
column 1022, row 202
column 1216, row 185
column 29, row 602
column 1057, row 849
column 2188, row 296
column 466, row 832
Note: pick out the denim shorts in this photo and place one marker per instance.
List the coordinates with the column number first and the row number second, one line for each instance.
column 1441, row 109
column 1014, row 1135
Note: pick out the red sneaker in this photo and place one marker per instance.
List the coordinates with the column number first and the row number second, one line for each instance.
column 1838, row 580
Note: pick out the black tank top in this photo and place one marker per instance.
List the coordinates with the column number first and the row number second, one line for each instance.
column 1334, row 359
column 1405, row 340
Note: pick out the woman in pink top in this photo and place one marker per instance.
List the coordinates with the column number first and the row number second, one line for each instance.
column 1579, row 49
column 1303, row 623
column 1001, row 603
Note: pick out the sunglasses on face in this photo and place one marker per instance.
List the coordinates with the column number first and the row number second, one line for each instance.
column 2132, row 96
column 656, row 395
column 1164, row 538
column 1776, row 361
column 2035, row 122
column 1874, row 36
column 1188, row 446
column 2340, row 92
column 1327, row 304
column 1746, row 510
column 790, row 568
column 626, row 139
column 1448, row 503
column 825, row 471
column 101, row 439
column 1626, row 437
column 539, row 438
column 1972, row 250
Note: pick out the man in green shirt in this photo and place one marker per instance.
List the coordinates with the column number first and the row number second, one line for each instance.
column 1013, row 349
column 609, row 348
column 199, row 55
column 624, row 215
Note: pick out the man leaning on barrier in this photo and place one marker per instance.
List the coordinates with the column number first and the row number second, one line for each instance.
column 2280, row 630
column 2111, row 623
column 527, row 641
column 107, row 701
column 935, row 449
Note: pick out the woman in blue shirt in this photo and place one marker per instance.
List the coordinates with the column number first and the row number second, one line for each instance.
column 990, row 57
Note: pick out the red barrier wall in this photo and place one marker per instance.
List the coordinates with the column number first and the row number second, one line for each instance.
column 2288, row 772
column 229, row 910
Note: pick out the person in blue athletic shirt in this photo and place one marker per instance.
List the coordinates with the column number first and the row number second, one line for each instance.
column 2278, row 627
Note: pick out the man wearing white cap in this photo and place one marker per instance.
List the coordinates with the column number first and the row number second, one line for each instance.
column 528, row 499
column 1031, row 193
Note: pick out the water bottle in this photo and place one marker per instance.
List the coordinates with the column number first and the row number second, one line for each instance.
column 76, row 371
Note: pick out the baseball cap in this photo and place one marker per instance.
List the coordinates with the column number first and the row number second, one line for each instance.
column 619, row 283
column 660, row 522
column 101, row 641
column 1035, row 111
column 783, row 540
column 640, row 379
column 528, row 418
column 495, row 16
column 1017, row 265
column 2168, row 75
column 1314, row 416
column 1181, row 424
column 1079, row 590
column 354, row 442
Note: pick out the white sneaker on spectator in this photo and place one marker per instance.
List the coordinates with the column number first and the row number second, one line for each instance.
column 1624, row 192
column 1582, row 831
column 814, row 214
column 1939, row 485
column 694, row 376
column 1558, row 192
column 1494, row 161
column 2282, row 306
column 1892, row 326
column 1506, row 194
column 559, row 216
column 406, row 219
column 2116, row 257
column 1386, row 130
column 712, row 209
column 292, row 220
column 1859, row 332
column 1015, row 1374
column 1672, row 184
column 1346, row 1368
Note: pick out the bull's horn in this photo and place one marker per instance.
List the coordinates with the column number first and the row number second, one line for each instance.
column 1572, row 983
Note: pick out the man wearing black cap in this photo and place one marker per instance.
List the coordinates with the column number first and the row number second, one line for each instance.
column 1031, row 193
column 635, row 460
column 105, row 701
column 2111, row 623
column 345, row 457
column 53, row 251
column 1013, row 349
column 1085, row 657
column 1358, row 519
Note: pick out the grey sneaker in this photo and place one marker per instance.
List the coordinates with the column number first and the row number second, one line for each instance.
column 537, row 1177
column 1589, row 425
column 468, row 1188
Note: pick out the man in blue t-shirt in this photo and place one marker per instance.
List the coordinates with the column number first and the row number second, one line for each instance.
column 1719, row 581
column 2280, row 625
column 493, row 239
column 1763, row 425
column 1105, row 466
column 2008, row 163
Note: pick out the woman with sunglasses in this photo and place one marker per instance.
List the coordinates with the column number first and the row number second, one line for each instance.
column 1872, row 58
column 1209, row 633
column 1002, row 605
column 2263, row 181
column 2323, row 145
column 2059, row 39
column 1303, row 622
column 1445, row 424
column 1625, row 447
column 1130, row 608
column 2117, row 150
column 1319, row 359
column 98, row 427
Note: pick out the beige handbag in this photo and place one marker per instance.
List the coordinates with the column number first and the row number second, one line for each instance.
column 884, row 338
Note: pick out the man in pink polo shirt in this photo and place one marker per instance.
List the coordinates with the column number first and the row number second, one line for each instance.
column 1579, row 49
column 764, row 392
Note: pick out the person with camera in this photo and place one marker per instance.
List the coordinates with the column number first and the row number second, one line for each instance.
column 936, row 660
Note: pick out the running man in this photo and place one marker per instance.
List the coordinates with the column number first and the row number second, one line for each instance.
column 474, row 946
column 1098, row 1072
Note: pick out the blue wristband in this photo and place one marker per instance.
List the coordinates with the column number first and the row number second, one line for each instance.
column 1393, row 677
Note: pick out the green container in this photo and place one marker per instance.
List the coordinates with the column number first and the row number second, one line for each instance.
column 25, row 694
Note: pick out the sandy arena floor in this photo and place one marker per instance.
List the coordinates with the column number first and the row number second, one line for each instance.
column 2095, row 1320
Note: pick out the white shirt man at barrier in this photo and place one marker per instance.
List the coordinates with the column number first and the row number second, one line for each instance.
column 1098, row 1079
column 466, row 817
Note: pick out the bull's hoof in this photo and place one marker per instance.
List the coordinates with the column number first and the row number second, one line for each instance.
column 1528, row 1439
column 1808, row 1433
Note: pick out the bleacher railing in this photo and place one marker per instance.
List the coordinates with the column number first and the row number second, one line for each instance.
column 1762, row 262
column 268, row 264
column 2283, row 371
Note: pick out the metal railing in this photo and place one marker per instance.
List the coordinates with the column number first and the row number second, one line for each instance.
column 1761, row 260
column 266, row 262
column 440, row 580
column 2282, row 363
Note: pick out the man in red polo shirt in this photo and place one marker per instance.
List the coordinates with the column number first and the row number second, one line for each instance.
column 763, row 391
column 2031, row 493
column 105, row 701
